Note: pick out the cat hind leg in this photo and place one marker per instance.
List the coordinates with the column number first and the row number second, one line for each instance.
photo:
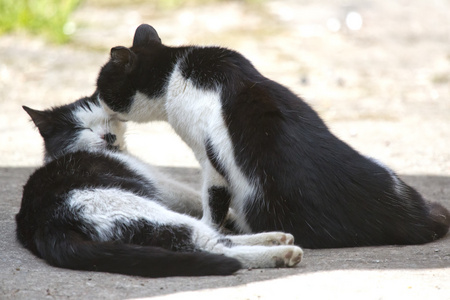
column 264, row 239
column 247, row 249
column 265, row 257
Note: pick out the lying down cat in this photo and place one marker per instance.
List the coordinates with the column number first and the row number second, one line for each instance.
column 94, row 207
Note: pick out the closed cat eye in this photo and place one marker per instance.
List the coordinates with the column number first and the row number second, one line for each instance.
column 83, row 128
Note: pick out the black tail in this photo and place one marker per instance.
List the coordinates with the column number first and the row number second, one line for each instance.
column 440, row 219
column 74, row 253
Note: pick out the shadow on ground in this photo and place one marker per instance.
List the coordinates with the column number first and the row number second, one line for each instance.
column 23, row 276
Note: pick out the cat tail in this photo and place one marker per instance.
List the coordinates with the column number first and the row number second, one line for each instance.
column 72, row 252
column 439, row 218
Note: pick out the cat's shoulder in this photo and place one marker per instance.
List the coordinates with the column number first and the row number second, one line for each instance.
column 211, row 57
column 212, row 66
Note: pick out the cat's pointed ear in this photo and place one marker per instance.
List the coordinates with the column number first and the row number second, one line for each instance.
column 144, row 35
column 123, row 56
column 40, row 119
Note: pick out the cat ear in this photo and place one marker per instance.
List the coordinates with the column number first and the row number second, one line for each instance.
column 40, row 119
column 123, row 56
column 144, row 35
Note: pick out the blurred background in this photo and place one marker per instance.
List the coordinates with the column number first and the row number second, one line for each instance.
column 378, row 72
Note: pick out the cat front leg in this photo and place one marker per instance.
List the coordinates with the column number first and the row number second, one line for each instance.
column 216, row 196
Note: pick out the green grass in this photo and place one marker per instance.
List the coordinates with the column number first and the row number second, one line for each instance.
column 163, row 4
column 49, row 18
column 44, row 17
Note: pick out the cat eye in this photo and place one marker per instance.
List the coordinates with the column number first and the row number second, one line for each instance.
column 83, row 128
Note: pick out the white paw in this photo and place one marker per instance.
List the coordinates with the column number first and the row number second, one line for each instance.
column 278, row 238
column 289, row 256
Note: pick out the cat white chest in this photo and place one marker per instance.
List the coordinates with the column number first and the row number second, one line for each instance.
column 196, row 115
column 193, row 113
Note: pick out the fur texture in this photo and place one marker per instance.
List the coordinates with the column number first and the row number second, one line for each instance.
column 265, row 147
column 92, row 206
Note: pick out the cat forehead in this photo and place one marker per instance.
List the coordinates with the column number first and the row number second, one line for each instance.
column 91, row 115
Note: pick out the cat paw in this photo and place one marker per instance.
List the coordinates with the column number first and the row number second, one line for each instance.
column 278, row 238
column 290, row 256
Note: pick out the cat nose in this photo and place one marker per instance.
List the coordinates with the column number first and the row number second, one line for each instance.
column 109, row 138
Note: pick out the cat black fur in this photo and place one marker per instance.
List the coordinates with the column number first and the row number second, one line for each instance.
column 313, row 185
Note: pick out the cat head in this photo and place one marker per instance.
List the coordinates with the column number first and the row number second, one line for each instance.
column 82, row 125
column 131, row 84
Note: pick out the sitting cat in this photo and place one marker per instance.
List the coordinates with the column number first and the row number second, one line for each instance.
column 263, row 150
column 94, row 207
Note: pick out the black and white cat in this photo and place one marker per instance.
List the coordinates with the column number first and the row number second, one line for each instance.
column 263, row 150
column 92, row 206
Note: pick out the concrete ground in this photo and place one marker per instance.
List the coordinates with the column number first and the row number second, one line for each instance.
column 381, row 81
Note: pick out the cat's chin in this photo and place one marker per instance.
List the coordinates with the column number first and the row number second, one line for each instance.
column 111, row 113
